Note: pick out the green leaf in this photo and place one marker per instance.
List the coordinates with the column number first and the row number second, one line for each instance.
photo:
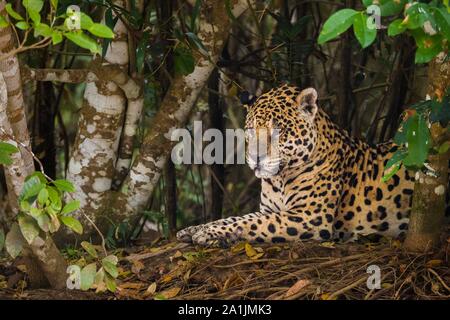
column 336, row 24
column 22, row 25
column 87, row 276
column 5, row 159
column 363, row 33
column 102, row 31
column 35, row 17
column 428, row 46
column 83, row 40
column 110, row 268
column 197, row 42
column 31, row 188
column 394, row 164
column 72, row 223
column 390, row 173
column 14, row 241
column 29, row 228
column 110, row 283
column 443, row 148
column 70, row 207
column 387, row 7
column 183, row 60
column 64, row 185
column 442, row 18
column 34, row 211
column 417, row 15
column 396, row 27
column 25, row 205
column 57, row 37
column 424, row 55
column 43, row 196
column 112, row 259
column 54, row 196
column 35, row 5
column 54, row 3
column 6, row 149
column 3, row 22
column 398, row 155
column 43, row 29
column 43, row 221
column 12, row 13
column 99, row 277
column 195, row 12
column 38, row 175
column 85, row 21
column 418, row 136
column 89, row 249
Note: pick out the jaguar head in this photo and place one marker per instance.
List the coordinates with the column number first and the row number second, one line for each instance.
column 280, row 129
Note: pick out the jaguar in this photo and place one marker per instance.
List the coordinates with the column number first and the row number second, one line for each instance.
column 318, row 182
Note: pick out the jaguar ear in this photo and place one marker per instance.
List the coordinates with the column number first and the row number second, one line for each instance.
column 247, row 99
column 307, row 101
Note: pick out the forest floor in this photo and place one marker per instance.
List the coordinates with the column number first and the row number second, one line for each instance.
column 304, row 270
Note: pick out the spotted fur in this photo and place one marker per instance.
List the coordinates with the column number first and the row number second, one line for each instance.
column 327, row 187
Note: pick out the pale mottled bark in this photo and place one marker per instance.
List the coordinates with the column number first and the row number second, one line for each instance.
column 15, row 173
column 92, row 162
column 131, row 88
column 42, row 251
column 427, row 215
column 214, row 25
column 9, row 67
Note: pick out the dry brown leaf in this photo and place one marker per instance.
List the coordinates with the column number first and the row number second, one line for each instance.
column 274, row 248
column 238, row 247
column 434, row 263
column 151, row 289
column 187, row 275
column 328, row 244
column 396, row 244
column 131, row 285
column 170, row 293
column 259, row 249
column 22, row 268
column 166, row 278
column 386, row 285
column 137, row 266
column 257, row 256
column 327, row 296
column 178, row 254
column 299, row 285
column 249, row 250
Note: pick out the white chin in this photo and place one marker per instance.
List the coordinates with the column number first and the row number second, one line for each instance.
column 261, row 173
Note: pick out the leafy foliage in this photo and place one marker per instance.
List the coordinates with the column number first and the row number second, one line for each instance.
column 72, row 24
column 427, row 23
column 413, row 136
column 6, row 149
column 42, row 210
column 96, row 272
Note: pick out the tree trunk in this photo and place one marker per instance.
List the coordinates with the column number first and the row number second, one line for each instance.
column 10, row 70
column 214, row 25
column 427, row 216
column 42, row 257
column 93, row 160
column 217, row 169
column 171, row 198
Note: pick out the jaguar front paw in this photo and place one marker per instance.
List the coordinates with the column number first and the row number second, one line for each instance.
column 217, row 236
column 185, row 235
